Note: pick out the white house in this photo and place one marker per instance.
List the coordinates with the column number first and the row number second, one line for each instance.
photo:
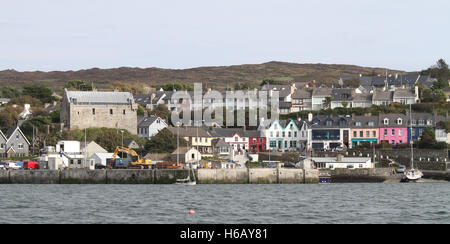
column 150, row 126
column 186, row 155
column 341, row 162
column 99, row 159
column 66, row 154
column 285, row 135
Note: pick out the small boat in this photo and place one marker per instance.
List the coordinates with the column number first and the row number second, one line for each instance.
column 324, row 178
column 412, row 175
column 187, row 181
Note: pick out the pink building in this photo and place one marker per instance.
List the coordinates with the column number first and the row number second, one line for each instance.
column 393, row 129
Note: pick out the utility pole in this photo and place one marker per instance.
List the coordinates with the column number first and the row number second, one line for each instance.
column 33, row 141
column 85, row 145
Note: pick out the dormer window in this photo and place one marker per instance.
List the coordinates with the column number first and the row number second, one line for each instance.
column 428, row 122
column 371, row 124
column 358, row 124
column 414, row 122
column 386, row 121
column 329, row 123
column 399, row 121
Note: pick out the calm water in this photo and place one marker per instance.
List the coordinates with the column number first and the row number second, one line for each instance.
column 335, row 203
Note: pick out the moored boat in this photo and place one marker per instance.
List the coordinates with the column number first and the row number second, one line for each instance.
column 324, row 178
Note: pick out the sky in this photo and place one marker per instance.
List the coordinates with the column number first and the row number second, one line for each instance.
column 62, row 35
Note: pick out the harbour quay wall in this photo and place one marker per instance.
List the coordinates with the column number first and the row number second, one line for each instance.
column 257, row 176
column 436, row 175
column 86, row 176
column 362, row 175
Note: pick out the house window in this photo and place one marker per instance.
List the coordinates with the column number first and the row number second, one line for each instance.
column 124, row 111
column 236, row 139
column 2, row 146
column 399, row 121
column 273, row 144
column 295, row 134
column 358, row 124
column 283, row 133
column 271, row 134
column 360, row 165
column 374, row 134
column 17, row 136
column 361, row 134
column 385, row 132
column 193, row 156
column 290, row 134
column 393, row 132
column 278, row 134
column 329, row 122
column 110, row 111
column 93, row 111
column 400, row 132
column 371, row 124
column 367, row 133
column 355, row 134
column 386, row 121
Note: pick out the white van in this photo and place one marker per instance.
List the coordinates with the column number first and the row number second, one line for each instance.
column 13, row 166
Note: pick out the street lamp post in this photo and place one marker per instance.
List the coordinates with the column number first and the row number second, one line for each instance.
column 122, row 140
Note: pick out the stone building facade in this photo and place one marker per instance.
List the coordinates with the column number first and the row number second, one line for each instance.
column 93, row 109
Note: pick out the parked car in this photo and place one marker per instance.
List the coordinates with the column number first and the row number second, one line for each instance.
column 339, row 149
column 2, row 167
column 271, row 165
column 401, row 169
column 290, row 165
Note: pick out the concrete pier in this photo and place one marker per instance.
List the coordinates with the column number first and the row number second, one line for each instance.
column 257, row 176
column 203, row 176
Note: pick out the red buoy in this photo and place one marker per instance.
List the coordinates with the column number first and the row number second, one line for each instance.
column 191, row 212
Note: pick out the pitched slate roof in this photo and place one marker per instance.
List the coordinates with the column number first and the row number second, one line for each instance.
column 322, row 92
column 392, row 120
column 362, row 97
column 364, row 121
column 95, row 97
column 147, row 121
column 320, row 121
column 342, row 94
column 302, row 94
column 219, row 143
column 189, row 131
column 382, row 96
column 404, row 93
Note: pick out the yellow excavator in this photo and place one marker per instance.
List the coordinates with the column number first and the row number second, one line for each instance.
column 136, row 161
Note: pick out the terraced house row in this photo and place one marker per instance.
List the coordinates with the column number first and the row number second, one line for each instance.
column 318, row 133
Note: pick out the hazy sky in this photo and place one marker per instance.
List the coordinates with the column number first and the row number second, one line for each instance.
column 79, row 34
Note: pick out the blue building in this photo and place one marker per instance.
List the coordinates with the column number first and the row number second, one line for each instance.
column 419, row 123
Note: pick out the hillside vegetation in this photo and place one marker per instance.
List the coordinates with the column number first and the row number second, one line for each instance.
column 214, row 77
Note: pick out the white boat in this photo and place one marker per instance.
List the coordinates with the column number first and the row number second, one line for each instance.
column 187, row 181
column 412, row 175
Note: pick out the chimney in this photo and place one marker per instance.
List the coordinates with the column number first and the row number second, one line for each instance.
column 339, row 157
